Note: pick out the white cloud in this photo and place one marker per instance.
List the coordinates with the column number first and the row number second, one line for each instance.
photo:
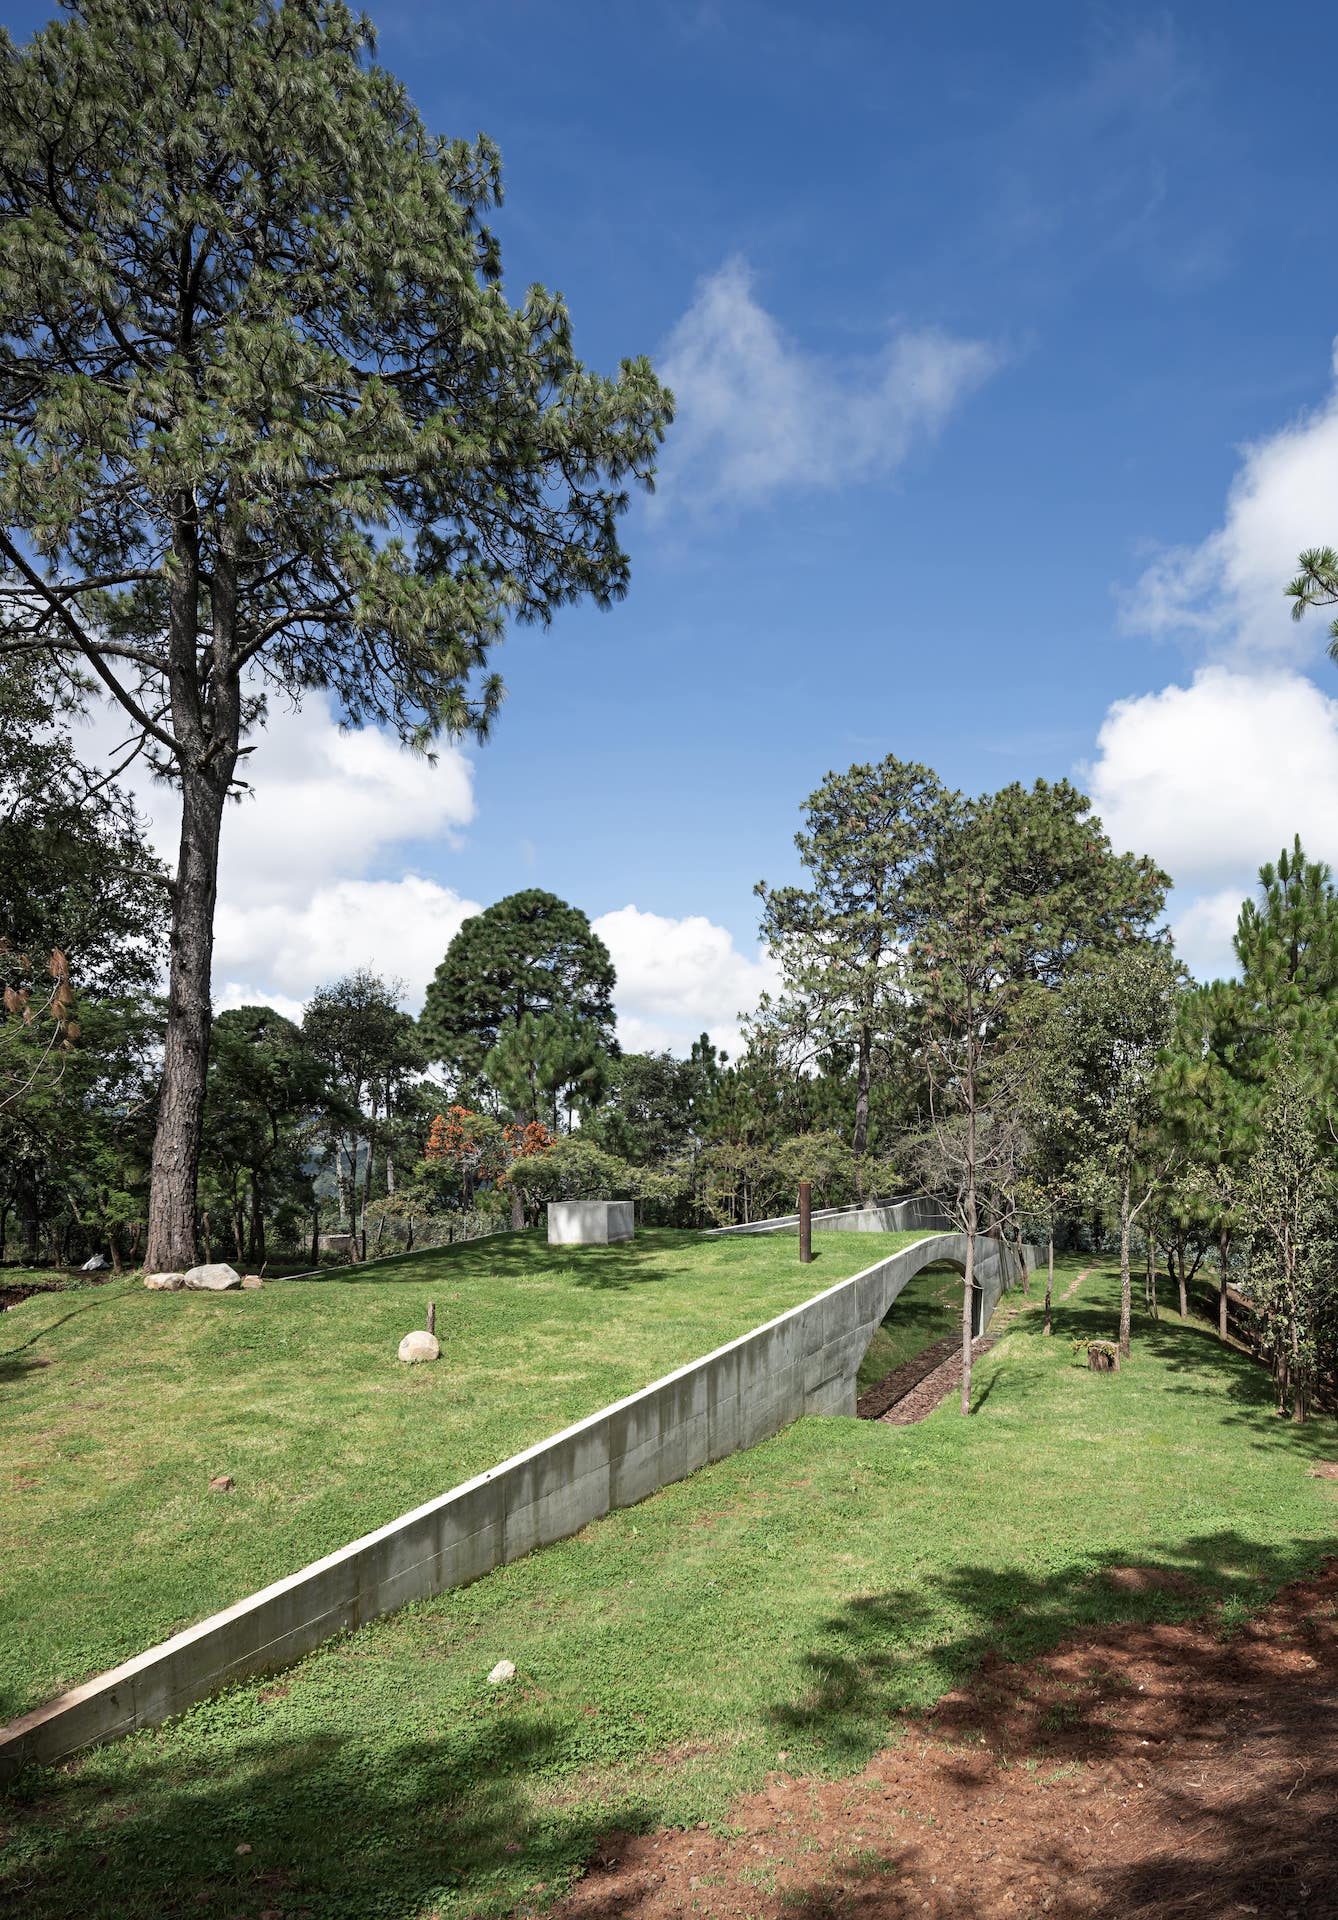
column 326, row 809
column 1203, row 933
column 1213, row 779
column 677, row 978
column 1228, row 590
column 757, row 414
column 398, row 928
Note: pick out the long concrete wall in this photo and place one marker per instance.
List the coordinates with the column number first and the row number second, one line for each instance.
column 918, row 1213
column 803, row 1362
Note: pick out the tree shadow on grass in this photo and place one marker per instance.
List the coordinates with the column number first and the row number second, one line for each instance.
column 1238, row 1386
column 1219, row 1841
column 514, row 1256
column 333, row 1825
column 9, row 1353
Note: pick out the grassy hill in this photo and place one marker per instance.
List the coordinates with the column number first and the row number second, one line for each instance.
column 783, row 1609
column 118, row 1406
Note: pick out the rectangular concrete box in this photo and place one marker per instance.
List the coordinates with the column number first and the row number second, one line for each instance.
column 589, row 1223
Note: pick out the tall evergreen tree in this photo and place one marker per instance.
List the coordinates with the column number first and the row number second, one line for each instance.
column 529, row 954
column 840, row 939
column 1101, row 1037
column 1287, row 941
column 269, row 421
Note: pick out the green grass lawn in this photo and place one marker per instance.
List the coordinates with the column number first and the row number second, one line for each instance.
column 117, row 1406
column 781, row 1609
column 927, row 1308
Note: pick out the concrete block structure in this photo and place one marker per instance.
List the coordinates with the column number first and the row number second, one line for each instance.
column 589, row 1223
column 803, row 1362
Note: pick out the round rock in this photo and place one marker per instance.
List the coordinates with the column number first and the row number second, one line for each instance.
column 165, row 1282
column 252, row 1281
column 420, row 1346
column 501, row 1673
column 217, row 1277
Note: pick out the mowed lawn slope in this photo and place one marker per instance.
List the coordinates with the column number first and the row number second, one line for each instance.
column 118, row 1406
column 780, row 1610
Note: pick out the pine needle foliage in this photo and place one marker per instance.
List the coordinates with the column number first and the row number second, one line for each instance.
column 268, row 420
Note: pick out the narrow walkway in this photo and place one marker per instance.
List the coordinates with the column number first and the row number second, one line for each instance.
column 921, row 1400
column 874, row 1402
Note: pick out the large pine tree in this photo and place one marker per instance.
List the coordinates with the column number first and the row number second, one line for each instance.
column 269, row 421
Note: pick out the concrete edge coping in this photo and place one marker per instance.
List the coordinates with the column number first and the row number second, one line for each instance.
column 778, row 1222
column 106, row 1682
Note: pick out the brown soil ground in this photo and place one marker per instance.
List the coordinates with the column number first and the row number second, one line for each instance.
column 921, row 1399
column 1156, row 1771
column 875, row 1401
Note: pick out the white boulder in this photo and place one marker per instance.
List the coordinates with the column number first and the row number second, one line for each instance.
column 420, row 1346
column 165, row 1282
column 216, row 1277
column 504, row 1670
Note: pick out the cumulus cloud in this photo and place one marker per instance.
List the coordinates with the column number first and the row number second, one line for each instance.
column 326, row 808
column 680, row 977
column 1228, row 590
column 758, row 415
column 1213, row 779
column 399, row 928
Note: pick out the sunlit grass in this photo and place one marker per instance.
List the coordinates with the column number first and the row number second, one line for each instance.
column 117, row 1407
column 784, row 1608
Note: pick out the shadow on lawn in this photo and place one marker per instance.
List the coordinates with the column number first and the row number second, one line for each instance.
column 347, row 1826
column 334, row 1826
column 511, row 1256
column 1239, row 1386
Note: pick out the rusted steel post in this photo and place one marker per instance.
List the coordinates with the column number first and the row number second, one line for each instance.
column 805, row 1221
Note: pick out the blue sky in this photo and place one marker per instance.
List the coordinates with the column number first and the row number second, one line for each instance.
column 1003, row 343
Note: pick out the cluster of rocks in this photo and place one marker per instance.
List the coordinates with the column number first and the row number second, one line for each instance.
column 215, row 1277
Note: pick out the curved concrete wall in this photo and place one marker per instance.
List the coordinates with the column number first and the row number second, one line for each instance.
column 918, row 1213
column 803, row 1362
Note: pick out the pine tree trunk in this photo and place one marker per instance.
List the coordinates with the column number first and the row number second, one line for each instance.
column 1223, row 1247
column 257, row 1254
column 1049, row 1276
column 176, row 1145
column 863, row 1075
column 1126, row 1297
column 1184, row 1285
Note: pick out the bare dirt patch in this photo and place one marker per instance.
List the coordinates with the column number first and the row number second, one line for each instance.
column 875, row 1401
column 922, row 1399
column 1157, row 1770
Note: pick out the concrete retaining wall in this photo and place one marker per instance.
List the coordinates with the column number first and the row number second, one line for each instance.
column 918, row 1213
column 803, row 1362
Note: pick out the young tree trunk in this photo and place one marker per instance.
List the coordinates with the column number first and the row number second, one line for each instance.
column 1049, row 1275
column 1297, row 1377
column 176, row 1144
column 1152, row 1277
column 1126, row 1297
column 968, row 1307
column 969, row 1220
column 1223, row 1248
column 367, row 1189
column 1183, row 1278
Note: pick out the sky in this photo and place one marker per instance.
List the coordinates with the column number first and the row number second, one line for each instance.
column 1003, row 347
